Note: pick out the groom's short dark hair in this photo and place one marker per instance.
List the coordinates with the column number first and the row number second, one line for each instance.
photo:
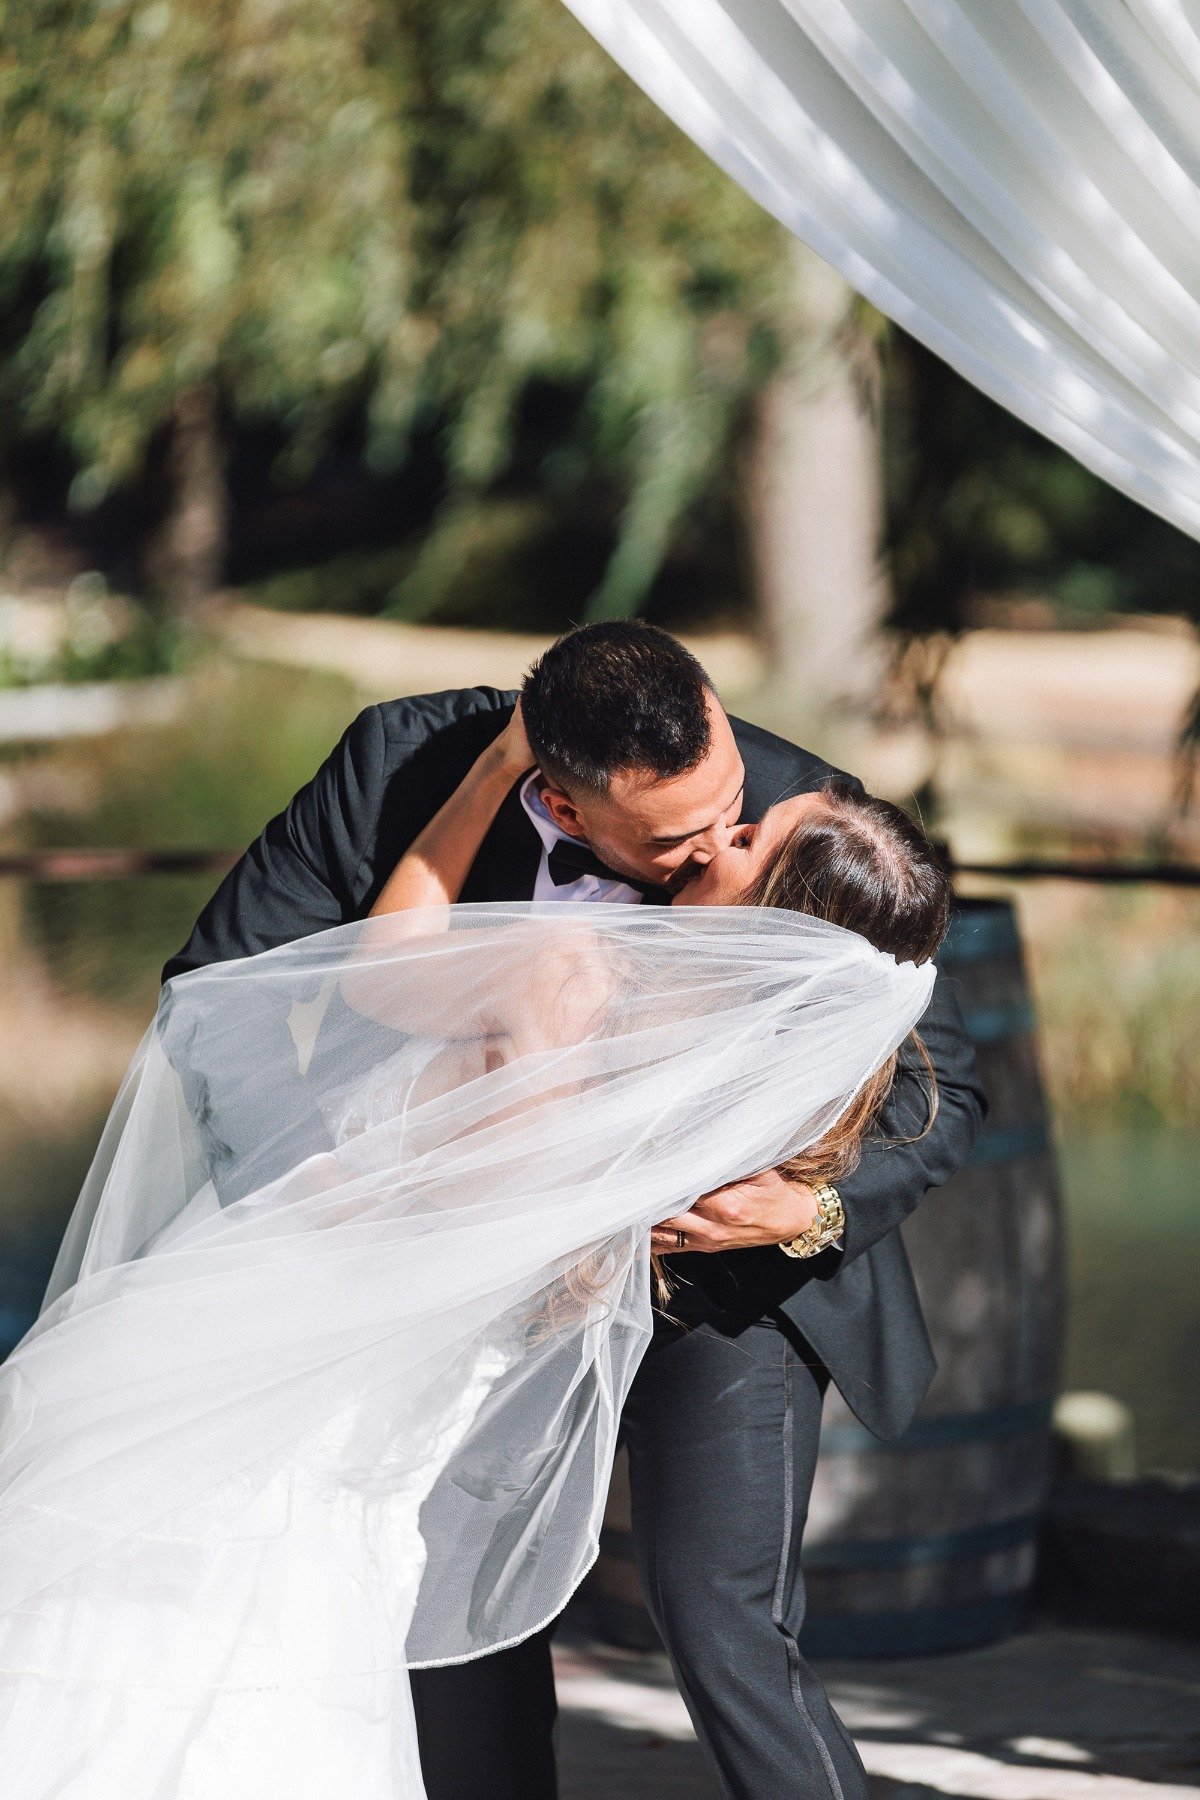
column 620, row 695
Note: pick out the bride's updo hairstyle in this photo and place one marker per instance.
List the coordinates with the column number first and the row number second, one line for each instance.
column 862, row 863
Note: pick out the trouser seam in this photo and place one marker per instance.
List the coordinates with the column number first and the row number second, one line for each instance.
column 777, row 1598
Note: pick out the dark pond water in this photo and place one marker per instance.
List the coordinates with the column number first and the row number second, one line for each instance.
column 1133, row 1235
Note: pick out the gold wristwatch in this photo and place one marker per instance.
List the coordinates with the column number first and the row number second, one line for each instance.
column 825, row 1229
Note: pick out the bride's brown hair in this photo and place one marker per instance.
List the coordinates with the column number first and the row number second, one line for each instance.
column 864, row 864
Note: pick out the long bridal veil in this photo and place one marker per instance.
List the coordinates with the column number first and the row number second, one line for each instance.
column 358, row 1281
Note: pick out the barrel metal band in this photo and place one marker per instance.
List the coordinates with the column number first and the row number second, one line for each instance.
column 996, row 1024
column 1009, row 1143
column 983, row 936
column 939, row 1546
column 983, row 1426
column 915, row 1631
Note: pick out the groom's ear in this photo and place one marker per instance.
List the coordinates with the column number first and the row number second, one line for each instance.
column 562, row 810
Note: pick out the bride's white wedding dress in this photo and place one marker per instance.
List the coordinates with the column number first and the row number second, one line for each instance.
column 328, row 1379
column 248, row 1646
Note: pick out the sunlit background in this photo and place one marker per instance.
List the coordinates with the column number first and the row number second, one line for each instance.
column 351, row 350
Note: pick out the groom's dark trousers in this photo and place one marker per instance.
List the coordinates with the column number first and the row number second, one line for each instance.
column 723, row 1419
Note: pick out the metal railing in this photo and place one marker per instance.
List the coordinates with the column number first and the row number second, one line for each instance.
column 89, row 864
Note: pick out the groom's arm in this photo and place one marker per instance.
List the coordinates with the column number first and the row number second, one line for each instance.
column 300, row 874
column 904, row 1157
column 315, row 864
column 894, row 1175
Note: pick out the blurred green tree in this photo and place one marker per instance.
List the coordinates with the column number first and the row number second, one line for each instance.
column 979, row 505
column 285, row 209
column 205, row 212
column 572, row 236
column 417, row 213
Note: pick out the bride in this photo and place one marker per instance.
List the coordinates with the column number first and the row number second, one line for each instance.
column 328, row 1379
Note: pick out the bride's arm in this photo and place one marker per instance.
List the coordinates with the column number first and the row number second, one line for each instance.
column 564, row 988
column 425, row 882
column 434, row 867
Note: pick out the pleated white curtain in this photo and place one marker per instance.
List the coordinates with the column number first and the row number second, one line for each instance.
column 1015, row 182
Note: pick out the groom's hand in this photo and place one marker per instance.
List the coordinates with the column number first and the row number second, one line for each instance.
column 762, row 1209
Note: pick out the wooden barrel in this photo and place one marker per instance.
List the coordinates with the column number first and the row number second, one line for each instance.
column 929, row 1543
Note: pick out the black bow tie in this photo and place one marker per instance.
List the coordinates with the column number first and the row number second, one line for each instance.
column 571, row 857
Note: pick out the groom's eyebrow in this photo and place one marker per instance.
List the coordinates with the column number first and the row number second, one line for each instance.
column 681, row 837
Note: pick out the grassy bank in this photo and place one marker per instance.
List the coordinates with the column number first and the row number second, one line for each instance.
column 1116, row 976
column 251, row 737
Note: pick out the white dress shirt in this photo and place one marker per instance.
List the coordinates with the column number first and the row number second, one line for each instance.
column 584, row 887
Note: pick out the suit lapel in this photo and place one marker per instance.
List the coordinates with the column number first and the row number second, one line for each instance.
column 507, row 865
column 761, row 783
column 775, row 770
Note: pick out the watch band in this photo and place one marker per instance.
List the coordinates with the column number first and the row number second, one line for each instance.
column 825, row 1229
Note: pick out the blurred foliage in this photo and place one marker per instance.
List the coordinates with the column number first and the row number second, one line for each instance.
column 357, row 582
column 254, row 736
column 97, row 643
column 516, row 558
column 453, row 231
column 197, row 189
column 574, row 237
column 413, row 209
column 979, row 504
column 1116, row 974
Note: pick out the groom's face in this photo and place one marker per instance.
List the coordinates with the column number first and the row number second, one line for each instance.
column 664, row 831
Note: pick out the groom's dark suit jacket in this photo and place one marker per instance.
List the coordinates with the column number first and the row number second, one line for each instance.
column 322, row 862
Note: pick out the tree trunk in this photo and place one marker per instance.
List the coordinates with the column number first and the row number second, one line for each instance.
column 814, row 500
column 186, row 560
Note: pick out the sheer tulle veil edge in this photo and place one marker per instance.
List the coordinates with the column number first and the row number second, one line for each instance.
column 365, row 1243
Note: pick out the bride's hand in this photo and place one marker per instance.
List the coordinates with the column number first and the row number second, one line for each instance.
column 513, row 745
column 436, row 864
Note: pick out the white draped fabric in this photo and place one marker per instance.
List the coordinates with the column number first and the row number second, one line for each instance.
column 328, row 1378
column 1015, row 182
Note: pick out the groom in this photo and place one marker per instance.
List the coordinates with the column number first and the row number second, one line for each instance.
column 642, row 779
